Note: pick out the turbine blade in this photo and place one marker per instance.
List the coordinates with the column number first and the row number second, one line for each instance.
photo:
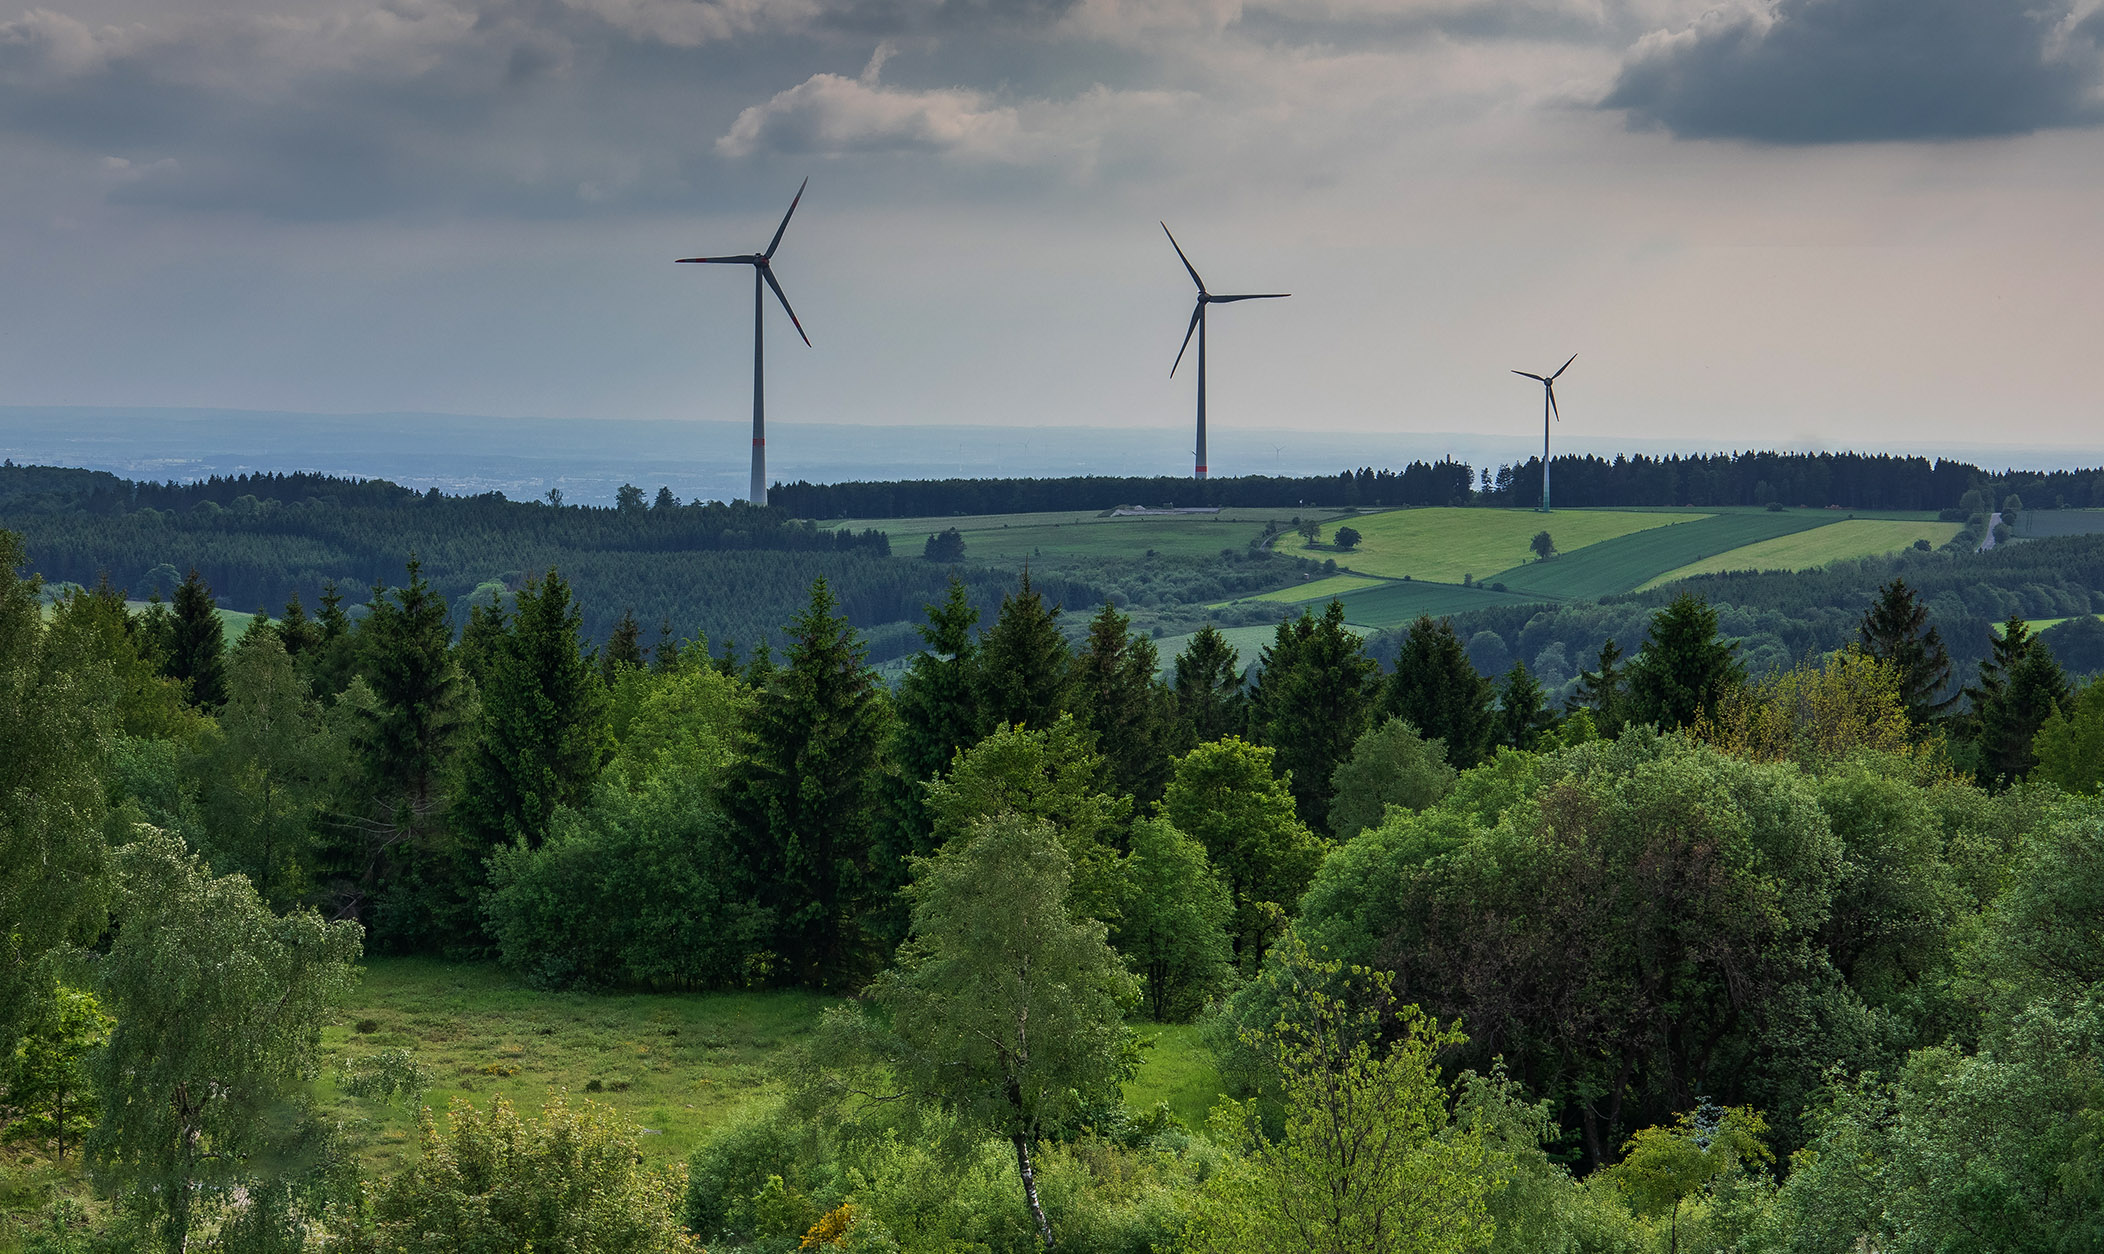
column 1197, row 312
column 1531, row 375
column 745, row 260
column 776, row 242
column 1222, row 300
column 1186, row 260
column 1565, row 366
column 767, row 273
column 1552, row 403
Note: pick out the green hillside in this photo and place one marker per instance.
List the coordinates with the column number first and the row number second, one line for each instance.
column 1627, row 562
column 1444, row 545
column 1805, row 550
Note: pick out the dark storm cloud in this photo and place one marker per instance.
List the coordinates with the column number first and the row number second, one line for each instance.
column 1832, row 71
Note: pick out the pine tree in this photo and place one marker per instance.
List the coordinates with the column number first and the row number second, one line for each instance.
column 542, row 736
column 1025, row 667
column 1210, row 703
column 2020, row 687
column 1604, row 691
column 332, row 661
column 1313, row 700
column 1436, row 690
column 1118, row 687
column 667, row 655
column 1523, row 712
column 482, row 642
column 297, row 632
column 624, row 647
column 1896, row 630
column 803, row 795
column 938, row 714
column 1683, row 669
column 197, row 644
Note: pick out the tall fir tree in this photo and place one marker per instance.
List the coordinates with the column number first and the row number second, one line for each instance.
column 938, row 713
column 333, row 660
column 297, row 632
column 1210, row 701
column 1523, row 709
column 1604, row 691
column 542, row 735
column 1684, row 669
column 803, row 795
column 1314, row 698
column 2020, row 686
column 668, row 653
column 483, row 642
column 1025, row 667
column 1436, row 690
column 197, row 643
column 623, row 648
column 1117, row 682
column 1896, row 630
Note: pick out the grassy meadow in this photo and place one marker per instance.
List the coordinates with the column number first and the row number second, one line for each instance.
column 1805, row 550
column 677, row 1064
column 1444, row 545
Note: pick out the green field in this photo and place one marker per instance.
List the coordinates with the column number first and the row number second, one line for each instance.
column 1393, row 604
column 2043, row 524
column 1806, row 550
column 1627, row 562
column 1016, row 538
column 676, row 1064
column 1316, row 589
column 1444, row 544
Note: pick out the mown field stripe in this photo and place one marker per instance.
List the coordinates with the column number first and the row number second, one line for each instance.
column 1807, row 550
column 1626, row 562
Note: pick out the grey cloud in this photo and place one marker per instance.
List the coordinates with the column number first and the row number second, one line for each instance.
column 1832, row 71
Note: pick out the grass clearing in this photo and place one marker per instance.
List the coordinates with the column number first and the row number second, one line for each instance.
column 678, row 1064
column 1177, row 1068
column 1807, row 550
column 1444, row 544
column 1627, row 561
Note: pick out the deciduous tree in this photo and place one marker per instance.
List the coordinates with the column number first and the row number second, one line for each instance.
column 1226, row 796
column 1172, row 927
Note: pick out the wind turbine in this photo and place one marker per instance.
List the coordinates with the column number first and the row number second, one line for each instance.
column 1548, row 407
column 1198, row 327
column 762, row 273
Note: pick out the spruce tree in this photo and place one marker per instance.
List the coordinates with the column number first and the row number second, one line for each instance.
column 1896, row 630
column 803, row 795
column 623, row 648
column 297, row 632
column 1437, row 691
column 1210, row 703
column 1604, row 691
column 1523, row 712
column 332, row 661
column 2020, row 687
column 667, row 655
column 1119, row 690
column 1025, row 667
column 1315, row 697
column 542, row 736
column 938, row 714
column 1683, row 669
column 197, row 644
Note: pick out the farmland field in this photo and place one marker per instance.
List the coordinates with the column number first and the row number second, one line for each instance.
column 1192, row 536
column 1317, row 589
column 1393, row 604
column 1626, row 562
column 1445, row 544
column 2043, row 524
column 677, row 1064
column 1805, row 550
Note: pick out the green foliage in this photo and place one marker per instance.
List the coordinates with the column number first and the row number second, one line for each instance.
column 639, row 888
column 994, row 957
column 1048, row 773
column 1683, row 669
column 218, row 1005
column 542, row 735
column 945, row 546
column 1542, row 545
column 1366, row 1157
column 1226, row 796
column 1210, row 703
column 494, row 1183
column 196, row 644
column 47, row 1081
column 803, row 798
column 2070, row 742
column 386, row 1074
column 1390, row 766
column 1523, row 709
column 1346, row 538
column 937, row 714
column 1025, row 667
column 1315, row 696
column 1604, row 691
column 1172, row 923
column 56, row 694
column 730, row 1174
column 1663, row 1167
column 1437, row 691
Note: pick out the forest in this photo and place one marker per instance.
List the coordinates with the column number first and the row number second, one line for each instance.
column 1709, row 956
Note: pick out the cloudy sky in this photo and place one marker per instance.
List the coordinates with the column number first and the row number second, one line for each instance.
column 1837, row 222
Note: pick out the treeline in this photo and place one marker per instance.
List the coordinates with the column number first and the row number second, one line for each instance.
column 1695, row 961
column 1444, row 482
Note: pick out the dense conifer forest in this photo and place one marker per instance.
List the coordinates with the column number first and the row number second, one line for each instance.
column 1706, row 955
